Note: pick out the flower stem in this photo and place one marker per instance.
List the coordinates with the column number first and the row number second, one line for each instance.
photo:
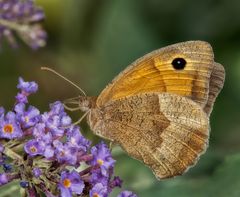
column 13, row 155
column 86, row 158
column 13, row 25
column 87, row 170
column 44, row 189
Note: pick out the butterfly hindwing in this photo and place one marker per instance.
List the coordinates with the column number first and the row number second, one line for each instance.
column 166, row 131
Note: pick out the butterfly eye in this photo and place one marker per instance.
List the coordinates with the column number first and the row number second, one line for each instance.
column 179, row 63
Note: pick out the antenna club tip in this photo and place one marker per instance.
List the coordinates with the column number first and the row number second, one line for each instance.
column 44, row 68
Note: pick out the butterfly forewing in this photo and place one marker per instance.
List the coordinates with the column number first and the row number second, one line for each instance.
column 154, row 72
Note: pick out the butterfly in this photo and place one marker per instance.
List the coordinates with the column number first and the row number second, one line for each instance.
column 158, row 108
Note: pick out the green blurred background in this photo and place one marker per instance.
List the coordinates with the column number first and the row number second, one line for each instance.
column 91, row 41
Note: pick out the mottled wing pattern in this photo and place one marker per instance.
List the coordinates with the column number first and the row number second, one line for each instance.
column 165, row 131
column 215, row 86
column 154, row 73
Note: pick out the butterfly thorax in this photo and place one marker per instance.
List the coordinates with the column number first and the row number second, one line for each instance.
column 95, row 114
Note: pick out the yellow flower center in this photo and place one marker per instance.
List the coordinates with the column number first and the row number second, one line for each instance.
column 96, row 195
column 8, row 128
column 67, row 183
column 100, row 162
column 73, row 140
column 26, row 119
column 33, row 149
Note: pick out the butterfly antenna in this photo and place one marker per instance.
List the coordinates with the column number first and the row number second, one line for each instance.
column 58, row 74
column 71, row 108
column 78, row 121
column 83, row 116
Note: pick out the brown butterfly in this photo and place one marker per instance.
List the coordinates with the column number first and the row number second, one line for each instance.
column 158, row 108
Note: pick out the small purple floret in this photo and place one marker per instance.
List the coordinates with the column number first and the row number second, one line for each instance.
column 39, row 130
column 56, row 120
column 9, row 127
column 65, row 153
column 98, row 177
column 99, row 190
column 127, row 194
column 34, row 147
column 27, row 87
column 48, row 152
column 76, row 139
column 3, row 179
column 102, row 157
column 116, row 182
column 27, row 118
column 21, row 98
column 37, row 172
column 70, row 183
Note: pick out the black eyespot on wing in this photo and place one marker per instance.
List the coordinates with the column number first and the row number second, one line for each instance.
column 179, row 63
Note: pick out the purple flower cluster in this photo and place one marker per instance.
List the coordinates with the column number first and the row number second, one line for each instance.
column 45, row 152
column 22, row 17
